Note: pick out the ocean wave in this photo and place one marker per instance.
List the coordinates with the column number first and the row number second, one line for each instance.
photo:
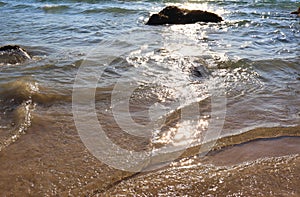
column 231, row 140
column 114, row 10
column 22, row 6
column 18, row 99
column 14, row 122
column 213, row 176
column 21, row 90
column 55, row 9
column 189, row 177
column 2, row 3
column 18, row 90
column 74, row 1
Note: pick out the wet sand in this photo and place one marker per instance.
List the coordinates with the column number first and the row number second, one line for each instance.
column 254, row 150
column 265, row 167
column 51, row 160
column 264, row 177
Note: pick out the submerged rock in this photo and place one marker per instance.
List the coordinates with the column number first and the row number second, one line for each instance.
column 175, row 15
column 13, row 54
column 296, row 12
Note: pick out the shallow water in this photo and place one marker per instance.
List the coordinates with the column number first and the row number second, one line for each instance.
column 157, row 90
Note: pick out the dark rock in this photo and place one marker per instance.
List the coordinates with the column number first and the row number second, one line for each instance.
column 199, row 71
column 175, row 15
column 296, row 12
column 13, row 54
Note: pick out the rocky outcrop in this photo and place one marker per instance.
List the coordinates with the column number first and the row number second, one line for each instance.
column 296, row 12
column 175, row 15
column 13, row 54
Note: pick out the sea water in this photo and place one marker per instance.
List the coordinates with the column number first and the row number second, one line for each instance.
column 153, row 89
